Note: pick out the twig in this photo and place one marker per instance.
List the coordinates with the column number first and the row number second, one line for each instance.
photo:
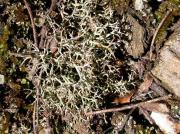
column 32, row 23
column 36, row 106
column 36, row 83
column 34, row 120
column 156, row 32
column 146, row 114
column 127, row 106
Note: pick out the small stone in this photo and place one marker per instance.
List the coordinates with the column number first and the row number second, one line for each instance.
column 168, row 68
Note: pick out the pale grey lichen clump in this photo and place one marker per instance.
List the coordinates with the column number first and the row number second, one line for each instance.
column 83, row 69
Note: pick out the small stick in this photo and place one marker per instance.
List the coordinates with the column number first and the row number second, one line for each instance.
column 127, row 106
column 146, row 114
column 34, row 120
column 32, row 22
column 156, row 32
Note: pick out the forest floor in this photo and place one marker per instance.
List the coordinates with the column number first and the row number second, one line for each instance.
column 90, row 66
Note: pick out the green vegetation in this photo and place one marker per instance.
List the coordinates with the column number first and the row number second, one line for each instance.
column 173, row 7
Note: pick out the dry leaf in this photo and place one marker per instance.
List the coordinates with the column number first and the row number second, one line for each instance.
column 124, row 99
column 156, row 107
column 165, row 123
column 144, row 87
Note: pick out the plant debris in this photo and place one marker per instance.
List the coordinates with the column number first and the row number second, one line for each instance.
column 89, row 66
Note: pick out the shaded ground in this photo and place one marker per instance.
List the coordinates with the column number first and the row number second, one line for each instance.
column 62, row 60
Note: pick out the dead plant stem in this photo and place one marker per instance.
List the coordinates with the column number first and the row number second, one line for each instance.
column 156, row 32
column 36, row 105
column 127, row 106
column 32, row 22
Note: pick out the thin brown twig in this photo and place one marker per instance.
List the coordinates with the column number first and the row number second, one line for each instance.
column 36, row 106
column 146, row 114
column 127, row 106
column 32, row 23
column 34, row 120
column 156, row 32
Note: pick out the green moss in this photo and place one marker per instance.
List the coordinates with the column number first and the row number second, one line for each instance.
column 3, row 40
column 3, row 48
column 169, row 5
column 162, row 33
column 24, row 81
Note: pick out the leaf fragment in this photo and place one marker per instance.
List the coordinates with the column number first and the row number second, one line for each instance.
column 144, row 87
column 156, row 107
column 124, row 99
